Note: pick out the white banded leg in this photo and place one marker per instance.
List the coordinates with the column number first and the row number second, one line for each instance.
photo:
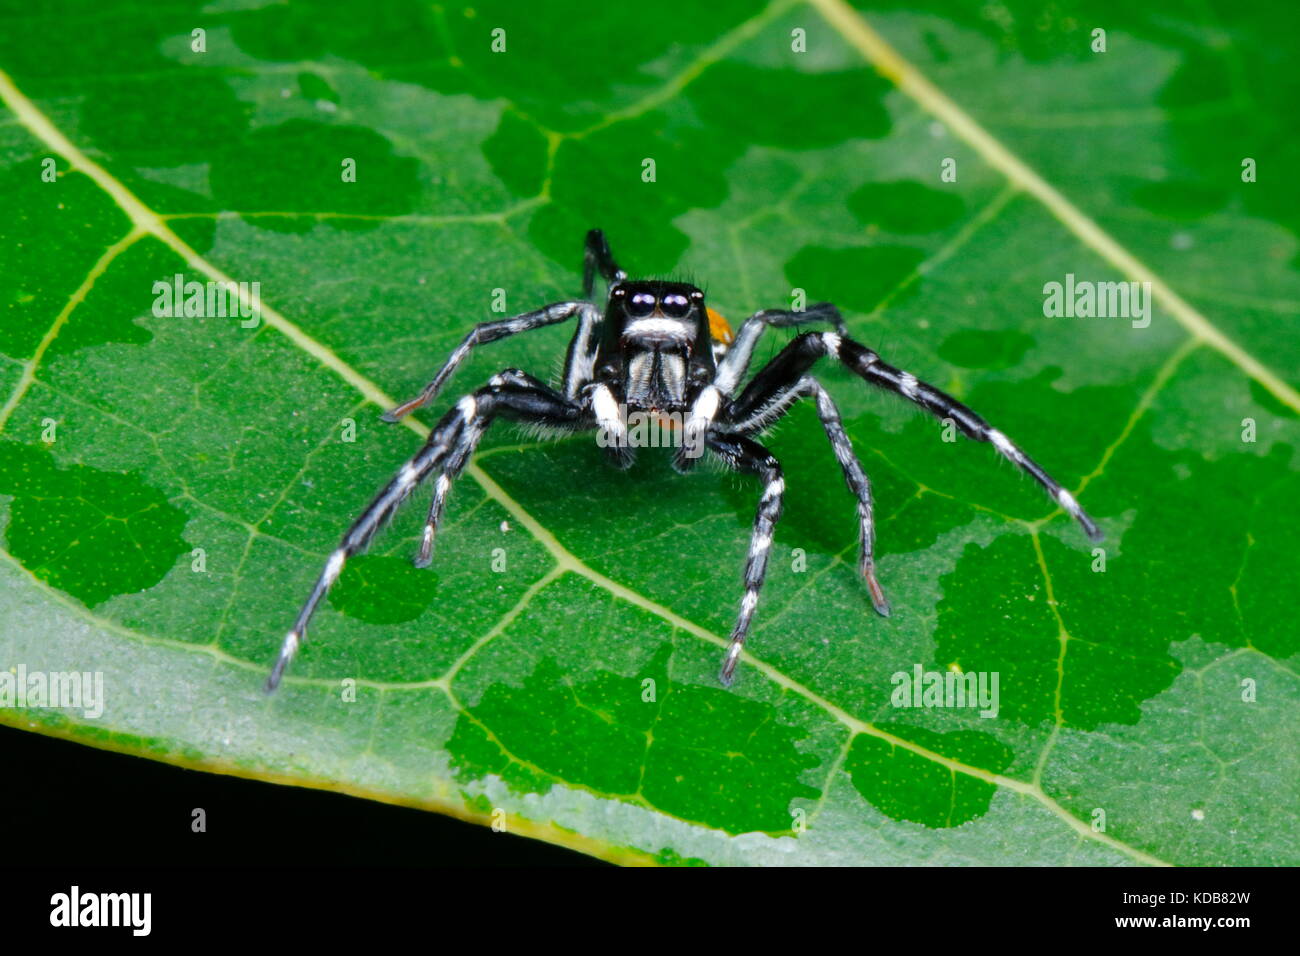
column 776, row 405
column 867, row 364
column 760, row 415
column 855, row 476
column 462, row 451
column 580, row 360
column 732, row 367
column 471, row 433
column 743, row 454
column 794, row 361
column 474, row 412
column 439, row 444
column 481, row 334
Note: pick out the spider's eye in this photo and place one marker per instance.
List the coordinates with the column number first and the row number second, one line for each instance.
column 675, row 305
column 641, row 304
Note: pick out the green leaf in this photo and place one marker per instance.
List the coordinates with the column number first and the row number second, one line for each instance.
column 170, row 486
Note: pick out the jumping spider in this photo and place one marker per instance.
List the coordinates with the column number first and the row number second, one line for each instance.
column 657, row 350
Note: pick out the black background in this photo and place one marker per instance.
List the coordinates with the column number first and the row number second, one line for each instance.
column 68, row 804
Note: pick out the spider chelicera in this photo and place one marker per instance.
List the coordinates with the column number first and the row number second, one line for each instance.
column 657, row 351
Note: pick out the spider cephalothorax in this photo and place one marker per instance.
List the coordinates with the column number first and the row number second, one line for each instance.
column 658, row 351
column 656, row 343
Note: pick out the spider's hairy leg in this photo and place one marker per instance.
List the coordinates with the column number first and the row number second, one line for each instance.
column 763, row 410
column 744, row 454
column 440, row 442
column 472, row 414
column 486, row 332
column 597, row 257
column 856, row 478
column 464, row 446
column 580, row 359
column 732, row 366
column 803, row 352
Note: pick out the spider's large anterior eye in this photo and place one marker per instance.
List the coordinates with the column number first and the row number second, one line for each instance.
column 675, row 305
column 641, row 304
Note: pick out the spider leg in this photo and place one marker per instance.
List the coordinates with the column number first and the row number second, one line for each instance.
column 486, row 332
column 803, row 352
column 855, row 476
column 472, row 414
column 597, row 257
column 732, row 365
column 464, row 446
column 580, row 359
column 713, row 397
column 745, row 454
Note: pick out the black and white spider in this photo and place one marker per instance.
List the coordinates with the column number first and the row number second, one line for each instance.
column 657, row 350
